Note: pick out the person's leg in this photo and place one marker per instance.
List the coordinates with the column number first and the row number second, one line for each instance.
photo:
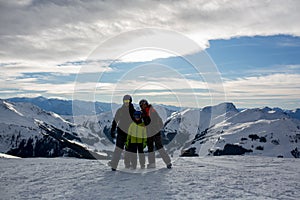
column 127, row 158
column 151, row 153
column 116, row 157
column 133, row 156
column 141, row 155
column 120, row 143
column 160, row 148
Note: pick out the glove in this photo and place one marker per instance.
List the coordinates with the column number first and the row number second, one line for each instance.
column 127, row 142
column 112, row 134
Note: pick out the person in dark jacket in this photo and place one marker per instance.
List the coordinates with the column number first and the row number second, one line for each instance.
column 122, row 120
column 154, row 124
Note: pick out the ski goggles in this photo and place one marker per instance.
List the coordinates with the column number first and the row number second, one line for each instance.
column 126, row 101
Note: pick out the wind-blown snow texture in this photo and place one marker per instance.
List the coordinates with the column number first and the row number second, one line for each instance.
column 228, row 177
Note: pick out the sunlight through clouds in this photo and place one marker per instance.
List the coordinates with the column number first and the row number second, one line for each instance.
column 145, row 55
column 261, row 89
column 45, row 44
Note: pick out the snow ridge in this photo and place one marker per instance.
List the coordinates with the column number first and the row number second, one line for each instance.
column 264, row 132
column 213, row 130
column 21, row 136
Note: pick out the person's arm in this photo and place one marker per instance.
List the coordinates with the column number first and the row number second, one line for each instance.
column 131, row 111
column 156, row 119
column 144, row 137
column 146, row 117
column 130, row 129
column 159, row 121
column 113, row 128
column 114, row 125
column 127, row 141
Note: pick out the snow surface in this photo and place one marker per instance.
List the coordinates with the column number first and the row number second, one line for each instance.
column 3, row 155
column 226, row 177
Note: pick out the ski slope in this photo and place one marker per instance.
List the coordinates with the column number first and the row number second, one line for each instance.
column 225, row 177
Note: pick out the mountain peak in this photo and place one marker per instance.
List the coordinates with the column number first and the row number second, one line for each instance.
column 222, row 107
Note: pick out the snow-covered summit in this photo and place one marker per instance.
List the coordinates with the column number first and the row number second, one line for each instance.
column 79, row 107
column 66, row 107
column 222, row 107
column 255, row 114
column 20, row 135
column 211, row 130
column 294, row 113
column 256, row 131
column 182, row 127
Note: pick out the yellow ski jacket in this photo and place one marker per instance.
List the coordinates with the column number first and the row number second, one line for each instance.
column 137, row 134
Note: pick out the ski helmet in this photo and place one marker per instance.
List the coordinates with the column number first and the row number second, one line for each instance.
column 127, row 97
column 137, row 114
column 143, row 101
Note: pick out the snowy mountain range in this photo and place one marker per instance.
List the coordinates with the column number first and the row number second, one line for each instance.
column 65, row 107
column 27, row 130
column 76, row 107
column 21, row 133
column 223, row 130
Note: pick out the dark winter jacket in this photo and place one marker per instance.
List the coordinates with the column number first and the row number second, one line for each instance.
column 123, row 118
column 152, row 120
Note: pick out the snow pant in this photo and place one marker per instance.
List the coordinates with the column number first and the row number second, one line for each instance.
column 133, row 148
column 158, row 145
column 120, row 143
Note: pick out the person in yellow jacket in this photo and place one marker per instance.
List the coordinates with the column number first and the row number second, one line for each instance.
column 136, row 140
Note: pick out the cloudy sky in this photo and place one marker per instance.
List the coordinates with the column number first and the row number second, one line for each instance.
column 184, row 53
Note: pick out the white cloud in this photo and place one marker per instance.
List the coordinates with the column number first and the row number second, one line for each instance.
column 70, row 30
column 45, row 35
column 14, row 71
column 264, row 90
column 144, row 55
